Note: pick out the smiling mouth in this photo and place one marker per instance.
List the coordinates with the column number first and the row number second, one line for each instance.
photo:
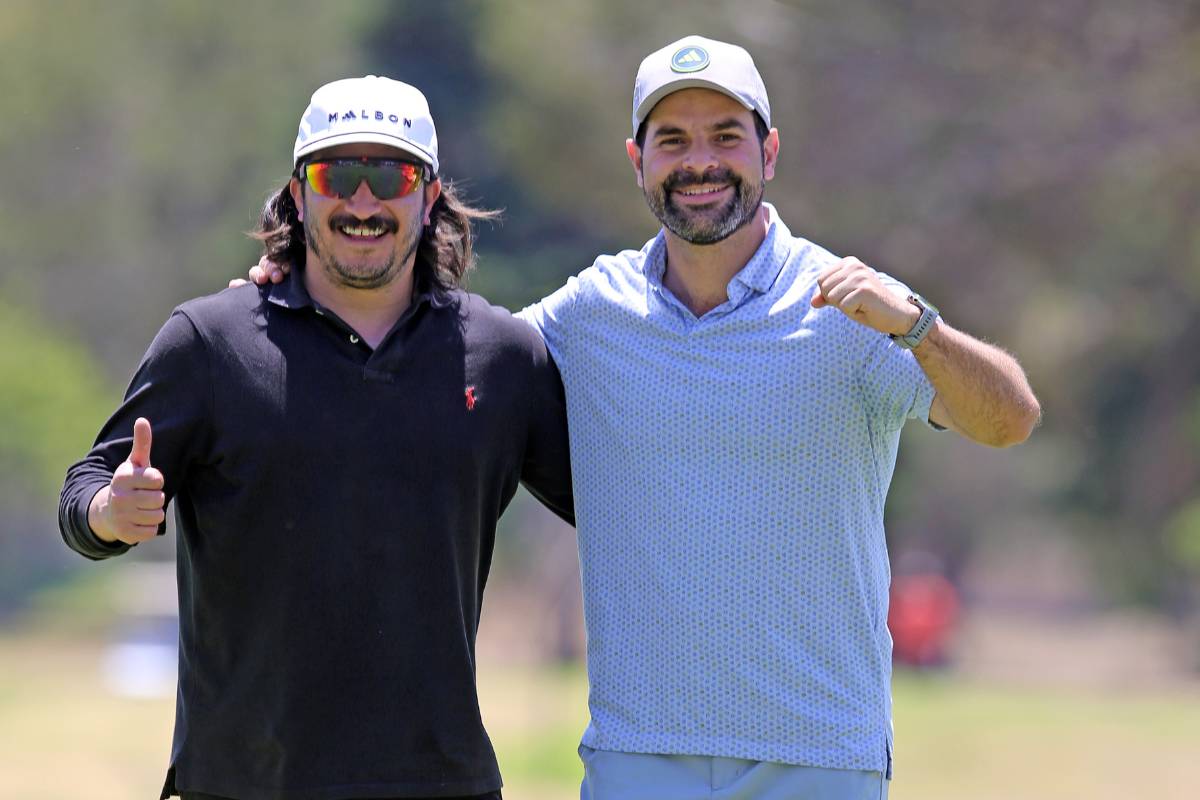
column 362, row 232
column 700, row 194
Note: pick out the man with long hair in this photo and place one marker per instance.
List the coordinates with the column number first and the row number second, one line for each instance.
column 339, row 448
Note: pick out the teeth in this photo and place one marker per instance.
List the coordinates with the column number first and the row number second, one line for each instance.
column 361, row 230
column 694, row 192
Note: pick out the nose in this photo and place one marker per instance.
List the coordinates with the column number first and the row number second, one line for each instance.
column 700, row 157
column 363, row 203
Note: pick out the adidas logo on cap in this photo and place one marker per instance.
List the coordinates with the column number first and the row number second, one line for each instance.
column 689, row 59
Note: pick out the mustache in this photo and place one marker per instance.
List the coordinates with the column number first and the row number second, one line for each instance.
column 388, row 224
column 683, row 178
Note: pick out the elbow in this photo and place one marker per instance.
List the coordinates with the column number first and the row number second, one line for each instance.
column 1030, row 418
column 1020, row 424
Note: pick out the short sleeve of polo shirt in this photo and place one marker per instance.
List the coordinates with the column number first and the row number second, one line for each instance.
column 549, row 316
column 894, row 386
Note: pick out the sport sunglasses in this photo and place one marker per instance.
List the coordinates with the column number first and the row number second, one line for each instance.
column 386, row 178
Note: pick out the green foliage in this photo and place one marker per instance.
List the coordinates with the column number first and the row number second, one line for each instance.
column 151, row 133
column 53, row 399
column 1184, row 535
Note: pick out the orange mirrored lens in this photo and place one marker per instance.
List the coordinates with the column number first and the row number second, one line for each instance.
column 387, row 180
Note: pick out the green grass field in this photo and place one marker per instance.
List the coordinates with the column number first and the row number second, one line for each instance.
column 63, row 737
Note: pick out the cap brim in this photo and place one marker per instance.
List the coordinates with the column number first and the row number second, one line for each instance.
column 691, row 82
column 365, row 137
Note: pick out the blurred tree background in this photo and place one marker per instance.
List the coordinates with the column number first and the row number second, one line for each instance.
column 1032, row 168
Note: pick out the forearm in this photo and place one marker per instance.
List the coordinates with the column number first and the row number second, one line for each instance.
column 169, row 390
column 982, row 392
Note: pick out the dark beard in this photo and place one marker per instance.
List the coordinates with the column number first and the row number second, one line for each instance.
column 705, row 226
column 375, row 277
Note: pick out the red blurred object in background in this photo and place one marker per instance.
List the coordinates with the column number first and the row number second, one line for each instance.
column 924, row 608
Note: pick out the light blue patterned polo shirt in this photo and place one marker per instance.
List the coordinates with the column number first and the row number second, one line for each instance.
column 730, row 476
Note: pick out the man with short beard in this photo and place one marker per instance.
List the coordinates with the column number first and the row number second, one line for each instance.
column 736, row 396
column 339, row 449
column 733, row 437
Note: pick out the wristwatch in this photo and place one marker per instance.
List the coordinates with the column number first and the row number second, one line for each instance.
column 914, row 337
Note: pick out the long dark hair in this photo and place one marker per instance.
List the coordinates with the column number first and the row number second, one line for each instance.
column 445, row 253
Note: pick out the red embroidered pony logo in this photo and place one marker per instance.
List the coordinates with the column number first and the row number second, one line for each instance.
column 470, row 398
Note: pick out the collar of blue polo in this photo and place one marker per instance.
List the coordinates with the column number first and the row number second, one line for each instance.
column 759, row 273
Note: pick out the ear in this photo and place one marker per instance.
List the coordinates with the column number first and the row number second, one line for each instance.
column 635, row 157
column 433, row 190
column 297, row 191
column 770, row 154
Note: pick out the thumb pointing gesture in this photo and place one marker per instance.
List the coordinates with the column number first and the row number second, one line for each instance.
column 130, row 508
column 139, row 456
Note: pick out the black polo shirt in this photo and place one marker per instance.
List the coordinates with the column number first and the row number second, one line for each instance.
column 336, row 510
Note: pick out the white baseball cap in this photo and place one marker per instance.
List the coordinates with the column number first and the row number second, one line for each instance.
column 369, row 110
column 697, row 62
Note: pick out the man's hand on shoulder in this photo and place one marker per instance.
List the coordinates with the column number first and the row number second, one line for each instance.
column 130, row 508
column 265, row 270
column 856, row 290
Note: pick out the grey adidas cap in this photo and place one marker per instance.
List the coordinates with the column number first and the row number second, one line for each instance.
column 369, row 110
column 697, row 62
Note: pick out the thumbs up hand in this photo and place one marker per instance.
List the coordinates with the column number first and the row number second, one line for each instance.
column 130, row 508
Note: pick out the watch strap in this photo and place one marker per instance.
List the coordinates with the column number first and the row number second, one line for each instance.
column 923, row 326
